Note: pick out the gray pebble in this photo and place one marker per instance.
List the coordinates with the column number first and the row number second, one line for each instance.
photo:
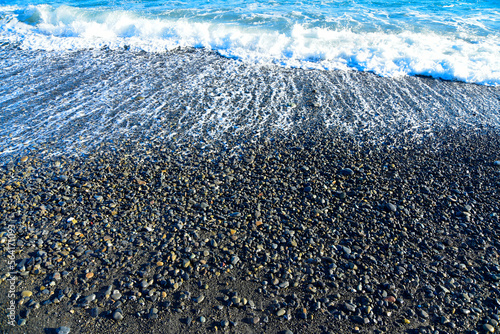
column 349, row 307
column 94, row 312
column 346, row 172
column 63, row 330
column 423, row 314
column 389, row 207
column 118, row 315
column 199, row 299
column 489, row 328
column 116, row 295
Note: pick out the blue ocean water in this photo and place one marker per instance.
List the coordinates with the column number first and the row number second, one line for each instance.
column 448, row 39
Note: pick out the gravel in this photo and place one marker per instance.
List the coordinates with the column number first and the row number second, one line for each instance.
column 156, row 236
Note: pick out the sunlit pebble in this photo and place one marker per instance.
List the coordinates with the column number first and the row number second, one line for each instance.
column 306, row 242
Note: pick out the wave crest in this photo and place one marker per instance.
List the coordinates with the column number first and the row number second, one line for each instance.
column 461, row 57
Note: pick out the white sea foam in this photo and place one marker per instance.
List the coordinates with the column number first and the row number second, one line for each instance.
column 464, row 56
column 75, row 101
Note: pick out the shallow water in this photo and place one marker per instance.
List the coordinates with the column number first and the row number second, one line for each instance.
column 70, row 102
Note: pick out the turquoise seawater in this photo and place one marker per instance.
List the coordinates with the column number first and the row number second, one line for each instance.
column 452, row 39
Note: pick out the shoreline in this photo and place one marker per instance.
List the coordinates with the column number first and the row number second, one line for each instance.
column 190, row 193
column 71, row 103
column 348, row 236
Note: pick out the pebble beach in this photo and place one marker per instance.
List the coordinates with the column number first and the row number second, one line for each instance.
column 308, row 217
column 312, row 235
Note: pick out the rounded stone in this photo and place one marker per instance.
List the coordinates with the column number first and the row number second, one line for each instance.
column 346, row 172
column 63, row 330
column 489, row 328
column 118, row 315
column 116, row 295
column 199, row 299
column 94, row 312
column 281, row 312
column 26, row 293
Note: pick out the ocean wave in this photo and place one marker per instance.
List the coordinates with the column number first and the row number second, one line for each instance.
column 463, row 56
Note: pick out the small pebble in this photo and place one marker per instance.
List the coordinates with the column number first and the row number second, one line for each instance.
column 118, row 315
column 26, row 293
column 63, row 330
column 489, row 328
